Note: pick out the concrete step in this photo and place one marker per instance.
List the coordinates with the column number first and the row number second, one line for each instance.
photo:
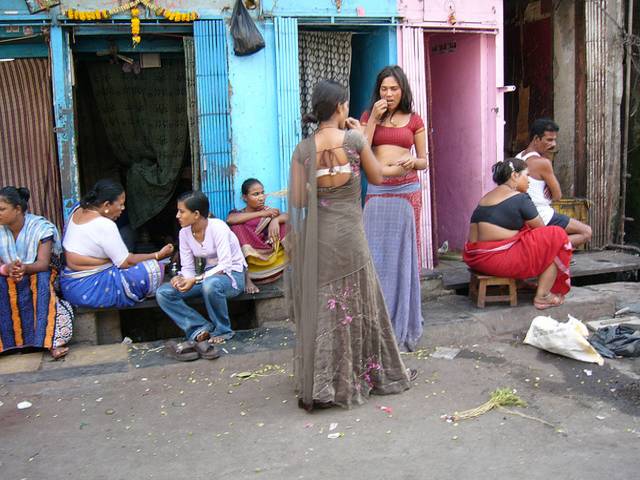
column 432, row 286
column 455, row 320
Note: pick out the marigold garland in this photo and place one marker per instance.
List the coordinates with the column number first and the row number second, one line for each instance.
column 132, row 7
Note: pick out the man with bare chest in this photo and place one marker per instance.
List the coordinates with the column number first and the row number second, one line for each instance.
column 543, row 184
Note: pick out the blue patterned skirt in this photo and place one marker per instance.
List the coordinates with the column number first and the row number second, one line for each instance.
column 110, row 286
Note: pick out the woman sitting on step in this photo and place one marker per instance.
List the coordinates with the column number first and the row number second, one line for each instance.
column 261, row 231
column 31, row 315
column 507, row 237
column 100, row 272
column 212, row 240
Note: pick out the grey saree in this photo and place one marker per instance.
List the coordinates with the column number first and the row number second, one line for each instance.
column 345, row 348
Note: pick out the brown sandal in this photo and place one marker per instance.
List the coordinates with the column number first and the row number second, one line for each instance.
column 207, row 350
column 183, row 351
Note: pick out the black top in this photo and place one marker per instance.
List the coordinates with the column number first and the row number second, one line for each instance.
column 510, row 213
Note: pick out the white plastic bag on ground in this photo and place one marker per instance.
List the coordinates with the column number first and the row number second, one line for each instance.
column 568, row 339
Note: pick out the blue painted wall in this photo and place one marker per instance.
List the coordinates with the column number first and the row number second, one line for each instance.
column 302, row 8
column 252, row 79
column 371, row 52
column 13, row 10
column 28, row 50
column 254, row 126
column 252, row 82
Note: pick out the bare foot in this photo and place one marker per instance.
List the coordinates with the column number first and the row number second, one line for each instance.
column 250, row 287
column 59, row 352
column 202, row 336
column 217, row 340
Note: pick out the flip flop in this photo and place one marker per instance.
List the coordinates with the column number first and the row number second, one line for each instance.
column 59, row 352
column 413, row 374
column 183, row 351
column 550, row 300
column 207, row 350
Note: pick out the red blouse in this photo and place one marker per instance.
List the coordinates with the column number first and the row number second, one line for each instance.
column 399, row 136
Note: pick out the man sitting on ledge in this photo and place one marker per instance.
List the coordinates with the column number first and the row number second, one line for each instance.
column 543, row 184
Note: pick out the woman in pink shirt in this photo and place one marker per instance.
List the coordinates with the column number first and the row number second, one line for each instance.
column 212, row 240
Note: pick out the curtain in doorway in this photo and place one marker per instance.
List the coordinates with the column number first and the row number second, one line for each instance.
column 28, row 156
column 145, row 122
column 323, row 56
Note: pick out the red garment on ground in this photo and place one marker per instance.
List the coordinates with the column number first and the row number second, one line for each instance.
column 523, row 256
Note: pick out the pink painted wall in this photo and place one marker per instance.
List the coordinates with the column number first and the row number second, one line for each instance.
column 465, row 13
column 463, row 138
column 466, row 101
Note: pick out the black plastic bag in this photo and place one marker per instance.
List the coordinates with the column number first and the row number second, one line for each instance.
column 246, row 36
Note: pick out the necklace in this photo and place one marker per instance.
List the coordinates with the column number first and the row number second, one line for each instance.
column 327, row 126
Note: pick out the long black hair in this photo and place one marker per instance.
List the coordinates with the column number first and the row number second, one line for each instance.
column 502, row 170
column 16, row 196
column 195, row 201
column 406, row 100
column 105, row 190
column 327, row 95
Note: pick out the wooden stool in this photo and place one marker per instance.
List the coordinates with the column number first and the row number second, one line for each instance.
column 478, row 289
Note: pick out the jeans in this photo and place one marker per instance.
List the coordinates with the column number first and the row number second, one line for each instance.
column 215, row 290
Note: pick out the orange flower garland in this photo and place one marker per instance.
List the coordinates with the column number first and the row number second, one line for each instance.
column 132, row 7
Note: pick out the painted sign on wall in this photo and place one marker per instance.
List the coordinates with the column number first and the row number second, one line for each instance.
column 36, row 6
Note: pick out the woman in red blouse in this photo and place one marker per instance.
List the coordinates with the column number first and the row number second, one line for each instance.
column 392, row 210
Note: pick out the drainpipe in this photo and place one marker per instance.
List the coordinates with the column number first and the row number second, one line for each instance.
column 625, row 144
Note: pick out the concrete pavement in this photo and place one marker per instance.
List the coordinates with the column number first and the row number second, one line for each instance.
column 196, row 421
column 122, row 412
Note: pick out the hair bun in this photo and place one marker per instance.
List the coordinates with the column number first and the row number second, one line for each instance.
column 24, row 193
column 309, row 118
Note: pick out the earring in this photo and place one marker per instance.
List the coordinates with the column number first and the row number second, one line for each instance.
column 106, row 211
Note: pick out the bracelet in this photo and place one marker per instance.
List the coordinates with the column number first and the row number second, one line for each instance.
column 156, row 255
column 199, row 278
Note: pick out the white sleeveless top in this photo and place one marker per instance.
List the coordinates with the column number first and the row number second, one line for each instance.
column 98, row 238
column 536, row 192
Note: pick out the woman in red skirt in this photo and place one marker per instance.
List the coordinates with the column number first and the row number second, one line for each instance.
column 507, row 238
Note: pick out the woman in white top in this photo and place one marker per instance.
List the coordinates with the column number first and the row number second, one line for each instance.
column 223, row 278
column 100, row 271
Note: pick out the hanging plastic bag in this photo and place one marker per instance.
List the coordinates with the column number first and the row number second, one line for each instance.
column 246, row 36
column 568, row 339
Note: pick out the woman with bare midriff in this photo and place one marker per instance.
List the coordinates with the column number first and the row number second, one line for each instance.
column 508, row 238
column 100, row 271
column 392, row 209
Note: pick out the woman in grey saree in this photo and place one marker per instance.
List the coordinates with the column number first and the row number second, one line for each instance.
column 345, row 347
